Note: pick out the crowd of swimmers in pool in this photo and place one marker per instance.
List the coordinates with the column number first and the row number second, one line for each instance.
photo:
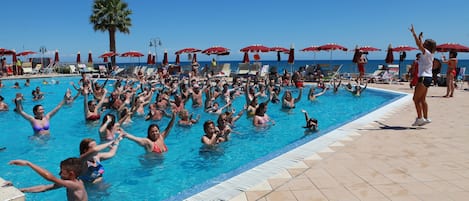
column 131, row 97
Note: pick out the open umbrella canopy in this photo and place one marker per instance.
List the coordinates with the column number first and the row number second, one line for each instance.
column 255, row 48
column 132, row 54
column 311, row 49
column 403, row 48
column 108, row 54
column 368, row 49
column 217, row 50
column 188, row 50
column 279, row 49
column 25, row 53
column 4, row 51
column 332, row 46
column 452, row 47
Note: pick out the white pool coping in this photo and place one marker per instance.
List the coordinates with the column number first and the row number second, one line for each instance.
column 241, row 183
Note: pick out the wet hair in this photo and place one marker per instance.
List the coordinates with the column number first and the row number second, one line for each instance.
column 149, row 129
column 207, row 124
column 36, row 108
column 85, row 145
column 418, row 54
column 260, row 110
column 1, row 98
column 430, row 45
column 72, row 164
column 113, row 121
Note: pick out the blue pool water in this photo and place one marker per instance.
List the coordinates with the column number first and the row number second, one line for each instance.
column 187, row 168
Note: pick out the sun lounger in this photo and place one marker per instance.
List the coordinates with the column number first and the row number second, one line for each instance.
column 73, row 69
column 255, row 68
column 27, row 68
column 225, row 70
column 37, row 69
column 243, row 68
column 264, row 70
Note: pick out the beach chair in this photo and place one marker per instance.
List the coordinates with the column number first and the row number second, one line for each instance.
column 255, row 68
column 460, row 77
column 243, row 69
column 103, row 71
column 225, row 70
column 37, row 69
column 73, row 69
column 27, row 68
column 9, row 70
column 264, row 70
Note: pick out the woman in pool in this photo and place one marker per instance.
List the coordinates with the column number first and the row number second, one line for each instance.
column 91, row 154
column 154, row 142
column 313, row 96
column 288, row 101
column 311, row 123
column 261, row 119
column 213, row 135
column 108, row 128
column 40, row 122
column 92, row 109
column 186, row 118
column 3, row 105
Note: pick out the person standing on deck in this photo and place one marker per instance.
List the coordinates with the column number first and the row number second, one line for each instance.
column 428, row 48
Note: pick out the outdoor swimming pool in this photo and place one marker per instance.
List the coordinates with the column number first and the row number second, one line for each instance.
column 187, row 167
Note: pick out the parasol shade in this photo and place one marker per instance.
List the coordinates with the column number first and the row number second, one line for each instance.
column 187, row 50
column 132, row 54
column 90, row 57
column 255, row 48
column 403, row 48
column 25, row 53
column 78, row 58
column 217, row 50
column 452, row 47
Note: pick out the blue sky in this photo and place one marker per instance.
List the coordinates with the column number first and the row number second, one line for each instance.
column 63, row 25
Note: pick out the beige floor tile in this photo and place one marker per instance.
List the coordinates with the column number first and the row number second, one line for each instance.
column 240, row 197
column 459, row 196
column 400, row 178
column 435, row 197
column 301, row 184
column 461, row 183
column 417, row 188
column 296, row 171
column 277, row 182
column 365, row 192
column 281, row 196
column 391, row 190
column 255, row 195
column 338, row 194
column 309, row 195
column 443, row 186
column 405, row 198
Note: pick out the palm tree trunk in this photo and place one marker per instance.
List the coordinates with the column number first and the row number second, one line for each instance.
column 112, row 45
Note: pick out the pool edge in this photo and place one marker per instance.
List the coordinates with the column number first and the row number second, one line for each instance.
column 256, row 177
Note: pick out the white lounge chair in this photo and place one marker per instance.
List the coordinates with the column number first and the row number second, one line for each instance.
column 225, row 70
column 37, row 69
column 264, row 70
column 255, row 68
column 243, row 68
column 73, row 69
column 27, row 68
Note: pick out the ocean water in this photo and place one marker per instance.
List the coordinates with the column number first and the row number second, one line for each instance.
column 348, row 65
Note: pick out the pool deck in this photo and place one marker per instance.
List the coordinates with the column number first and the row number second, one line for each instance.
column 386, row 159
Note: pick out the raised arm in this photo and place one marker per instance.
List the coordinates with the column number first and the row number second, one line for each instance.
column 299, row 95
column 418, row 39
column 46, row 175
column 170, row 125
column 19, row 109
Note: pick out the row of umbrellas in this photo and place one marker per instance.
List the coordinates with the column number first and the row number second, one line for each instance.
column 256, row 49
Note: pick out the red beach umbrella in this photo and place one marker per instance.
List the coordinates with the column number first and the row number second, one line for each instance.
column 90, row 57
column 165, row 58
column 217, row 50
column 330, row 47
column 188, row 50
column 25, row 53
column 108, row 54
column 56, row 56
column 246, row 57
column 153, row 59
column 4, row 51
column 313, row 48
column 368, row 49
column 279, row 49
column 78, row 58
column 132, row 54
column 178, row 61
column 255, row 48
column 454, row 47
column 403, row 48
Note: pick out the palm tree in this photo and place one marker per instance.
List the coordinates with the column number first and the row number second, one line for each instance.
column 111, row 16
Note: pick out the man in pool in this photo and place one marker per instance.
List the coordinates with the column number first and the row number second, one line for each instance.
column 69, row 170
